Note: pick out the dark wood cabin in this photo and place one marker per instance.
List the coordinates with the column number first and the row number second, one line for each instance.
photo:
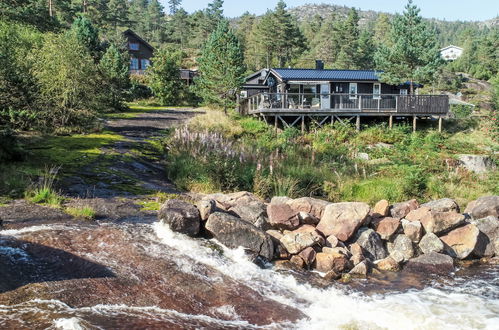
column 140, row 52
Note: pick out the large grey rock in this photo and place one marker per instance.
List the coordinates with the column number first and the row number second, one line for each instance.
column 254, row 212
column 234, row 232
column 477, row 163
column 400, row 210
column 489, row 227
column 442, row 205
column 403, row 245
column 180, row 216
column 296, row 241
column 282, row 216
column 463, row 242
column 343, row 219
column 206, row 207
column 371, row 244
column 413, row 230
column 431, row 263
column 431, row 243
column 483, row 207
column 309, row 205
column 441, row 222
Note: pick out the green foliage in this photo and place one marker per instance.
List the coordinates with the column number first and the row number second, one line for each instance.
column 414, row 56
column 87, row 35
column 461, row 110
column 221, row 69
column 164, row 75
column 114, row 68
column 43, row 192
column 81, row 212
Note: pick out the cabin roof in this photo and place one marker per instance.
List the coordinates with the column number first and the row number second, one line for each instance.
column 130, row 32
column 451, row 46
column 327, row 74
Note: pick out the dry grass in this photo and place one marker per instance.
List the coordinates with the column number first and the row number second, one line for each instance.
column 215, row 121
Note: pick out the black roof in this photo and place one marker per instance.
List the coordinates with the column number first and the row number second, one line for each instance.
column 130, row 32
column 327, row 74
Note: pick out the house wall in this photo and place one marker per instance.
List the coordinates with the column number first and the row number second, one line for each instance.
column 143, row 52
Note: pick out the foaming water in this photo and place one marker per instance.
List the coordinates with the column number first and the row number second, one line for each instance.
column 462, row 304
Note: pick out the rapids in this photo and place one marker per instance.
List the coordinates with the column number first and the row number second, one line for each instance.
column 142, row 275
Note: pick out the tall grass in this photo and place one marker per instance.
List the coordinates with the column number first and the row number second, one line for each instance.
column 43, row 191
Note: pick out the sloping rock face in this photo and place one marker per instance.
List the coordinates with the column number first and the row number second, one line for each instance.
column 431, row 263
column 181, row 216
column 441, row 222
column 477, row 163
column 371, row 244
column 343, row 219
column 483, row 207
column 282, row 216
column 253, row 212
column 489, row 227
column 442, row 205
column 463, row 241
column 234, row 232
column 309, row 205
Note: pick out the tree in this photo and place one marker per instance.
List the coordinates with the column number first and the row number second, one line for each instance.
column 348, row 33
column 382, row 30
column 164, row 75
column 414, row 55
column 87, row 35
column 118, row 14
column 154, row 18
column 32, row 12
column 213, row 14
column 114, row 67
column 179, row 28
column 221, row 68
column 174, row 6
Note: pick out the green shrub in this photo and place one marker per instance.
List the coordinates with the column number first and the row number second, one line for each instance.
column 81, row 212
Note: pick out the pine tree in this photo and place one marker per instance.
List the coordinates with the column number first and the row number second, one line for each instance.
column 365, row 51
column 114, row 67
column 212, row 16
column 118, row 14
column 154, row 19
column 221, row 68
column 87, row 34
column 414, row 56
column 174, row 6
column 137, row 13
column 348, row 41
column 382, row 30
column 164, row 75
column 179, row 28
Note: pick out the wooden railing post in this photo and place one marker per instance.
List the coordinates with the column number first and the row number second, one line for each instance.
column 359, row 97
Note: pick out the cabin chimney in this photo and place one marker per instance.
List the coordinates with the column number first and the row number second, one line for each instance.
column 319, row 65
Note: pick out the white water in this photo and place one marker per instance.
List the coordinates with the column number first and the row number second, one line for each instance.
column 448, row 307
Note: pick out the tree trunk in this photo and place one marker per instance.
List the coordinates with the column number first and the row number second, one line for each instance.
column 51, row 14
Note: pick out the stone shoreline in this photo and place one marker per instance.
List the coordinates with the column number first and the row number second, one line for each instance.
column 344, row 239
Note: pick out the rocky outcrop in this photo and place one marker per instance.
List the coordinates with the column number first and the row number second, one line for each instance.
column 477, row 163
column 431, row 263
column 180, row 216
column 234, row 232
column 400, row 210
column 483, row 207
column 312, row 206
column 431, row 243
column 442, row 205
column 253, row 212
column 343, row 219
column 441, row 222
column 282, row 216
column 489, row 228
column 387, row 227
column 371, row 244
column 462, row 242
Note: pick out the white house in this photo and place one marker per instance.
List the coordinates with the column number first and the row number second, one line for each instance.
column 451, row 53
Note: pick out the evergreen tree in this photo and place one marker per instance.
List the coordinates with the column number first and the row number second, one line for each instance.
column 414, row 56
column 114, row 67
column 154, row 19
column 118, row 14
column 221, row 68
column 137, row 13
column 87, row 34
column 348, row 33
column 365, row 51
column 174, row 6
column 164, row 75
column 179, row 28
column 213, row 15
column 382, row 30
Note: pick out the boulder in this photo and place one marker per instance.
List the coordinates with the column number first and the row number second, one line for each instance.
column 332, row 275
column 234, row 232
column 298, row 240
column 325, row 262
column 387, row 227
column 226, row 201
column 359, row 269
column 400, row 210
column 431, row 243
column 489, row 227
column 298, row 261
column 483, row 207
column 417, row 214
column 343, row 219
column 254, row 212
column 307, row 218
column 275, row 234
column 206, row 207
column 477, row 163
column 442, row 205
column 371, row 244
column 279, row 200
column 387, row 263
column 335, row 250
column 180, row 216
column 356, row 259
column 309, row 205
column 441, row 222
column 308, row 255
column 462, row 242
column 281, row 216
column 381, row 209
column 356, row 249
column 403, row 245
column 431, row 263
column 332, row 241
column 413, row 230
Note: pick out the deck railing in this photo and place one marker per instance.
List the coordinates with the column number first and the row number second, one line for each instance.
column 303, row 102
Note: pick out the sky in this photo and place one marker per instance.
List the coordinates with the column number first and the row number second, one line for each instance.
column 450, row 10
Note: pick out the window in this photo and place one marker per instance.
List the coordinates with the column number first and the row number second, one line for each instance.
column 352, row 91
column 376, row 91
column 144, row 63
column 134, row 64
column 403, row 91
column 133, row 46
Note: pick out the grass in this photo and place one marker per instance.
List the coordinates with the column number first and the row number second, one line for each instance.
column 43, row 192
column 135, row 110
column 81, row 212
column 154, row 201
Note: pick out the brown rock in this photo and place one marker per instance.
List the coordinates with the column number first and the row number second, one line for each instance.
column 442, row 205
column 180, row 216
column 332, row 275
column 325, row 262
column 313, row 206
column 336, row 250
column 343, row 219
column 296, row 241
column 400, row 210
column 441, row 222
column 417, row 214
column 360, row 269
column 387, row 227
column 307, row 218
column 275, row 233
column 461, row 242
column 413, row 230
column 356, row 258
column 431, row 263
column 381, row 209
column 331, row 241
column 356, row 249
column 206, row 207
column 483, row 207
column 281, row 216
column 279, row 200
column 308, row 255
column 388, row 264
column 298, row 261
column 253, row 212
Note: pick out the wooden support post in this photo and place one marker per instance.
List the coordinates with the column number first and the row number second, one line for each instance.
column 440, row 124
column 390, row 121
column 357, row 123
column 414, row 119
column 332, row 119
column 275, row 122
column 302, row 124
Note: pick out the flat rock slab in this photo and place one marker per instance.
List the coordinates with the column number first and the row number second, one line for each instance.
column 434, row 263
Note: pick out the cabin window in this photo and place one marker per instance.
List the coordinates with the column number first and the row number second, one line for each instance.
column 403, row 91
column 376, row 91
column 352, row 91
column 144, row 63
column 134, row 64
column 133, row 46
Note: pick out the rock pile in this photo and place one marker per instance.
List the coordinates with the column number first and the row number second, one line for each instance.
column 347, row 237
